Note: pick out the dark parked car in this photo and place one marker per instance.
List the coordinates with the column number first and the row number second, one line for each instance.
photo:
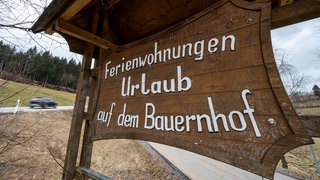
column 42, row 102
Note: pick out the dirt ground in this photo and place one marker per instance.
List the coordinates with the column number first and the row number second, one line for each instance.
column 42, row 141
column 33, row 146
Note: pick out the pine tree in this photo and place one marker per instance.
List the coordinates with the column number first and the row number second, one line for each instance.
column 316, row 90
column 39, row 67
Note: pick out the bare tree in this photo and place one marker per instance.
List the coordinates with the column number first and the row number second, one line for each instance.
column 292, row 80
column 19, row 15
column 11, row 136
column 16, row 19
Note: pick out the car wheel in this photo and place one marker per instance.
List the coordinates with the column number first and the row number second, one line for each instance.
column 31, row 107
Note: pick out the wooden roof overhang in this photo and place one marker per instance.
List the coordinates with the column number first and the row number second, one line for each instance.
column 123, row 22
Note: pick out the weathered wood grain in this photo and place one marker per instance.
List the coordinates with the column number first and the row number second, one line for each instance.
column 216, row 82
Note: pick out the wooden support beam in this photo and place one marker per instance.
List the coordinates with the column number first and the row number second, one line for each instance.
column 87, row 143
column 78, row 114
column 94, row 72
column 71, row 30
column 110, row 4
column 50, row 30
column 74, row 9
column 85, row 115
column 91, row 173
column 298, row 11
column 285, row 2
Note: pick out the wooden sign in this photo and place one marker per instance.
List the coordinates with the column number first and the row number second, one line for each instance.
column 208, row 85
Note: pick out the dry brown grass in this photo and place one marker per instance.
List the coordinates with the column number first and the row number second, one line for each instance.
column 32, row 160
column 11, row 91
column 300, row 162
column 307, row 105
column 119, row 159
column 128, row 159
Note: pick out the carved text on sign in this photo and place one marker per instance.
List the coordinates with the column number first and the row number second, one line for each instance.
column 182, row 123
column 197, row 49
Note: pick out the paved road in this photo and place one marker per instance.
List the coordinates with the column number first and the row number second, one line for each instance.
column 200, row 167
column 28, row 109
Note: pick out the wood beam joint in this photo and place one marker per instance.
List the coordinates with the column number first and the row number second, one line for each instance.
column 110, row 4
column 94, row 72
column 87, row 172
column 285, row 2
column 74, row 9
column 79, row 33
column 86, row 115
column 298, row 11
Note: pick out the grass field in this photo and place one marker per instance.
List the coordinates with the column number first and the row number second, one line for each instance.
column 301, row 163
column 43, row 142
column 307, row 105
column 10, row 92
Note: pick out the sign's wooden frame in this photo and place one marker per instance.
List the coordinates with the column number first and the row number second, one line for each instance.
column 96, row 42
column 92, row 77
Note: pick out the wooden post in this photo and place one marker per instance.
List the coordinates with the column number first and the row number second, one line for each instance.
column 78, row 114
column 77, row 118
column 87, row 144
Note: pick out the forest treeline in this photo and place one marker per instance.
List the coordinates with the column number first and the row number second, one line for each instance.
column 35, row 67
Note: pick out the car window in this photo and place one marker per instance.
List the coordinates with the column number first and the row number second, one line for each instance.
column 49, row 99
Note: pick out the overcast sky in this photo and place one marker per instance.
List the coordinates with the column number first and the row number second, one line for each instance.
column 26, row 12
column 301, row 42
column 53, row 43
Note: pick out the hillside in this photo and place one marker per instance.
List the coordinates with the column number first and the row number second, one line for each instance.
column 11, row 91
column 307, row 105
